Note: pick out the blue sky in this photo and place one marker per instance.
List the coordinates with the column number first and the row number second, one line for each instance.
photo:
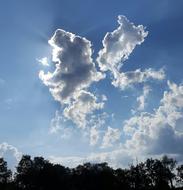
column 28, row 111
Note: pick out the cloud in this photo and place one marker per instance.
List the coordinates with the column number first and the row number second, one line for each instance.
column 85, row 103
column 94, row 136
column 159, row 132
column 97, row 124
column 110, row 137
column 145, row 133
column 74, row 66
column 10, row 153
column 117, row 46
column 43, row 61
column 148, row 135
column 75, row 69
column 59, row 126
column 74, row 72
column 115, row 158
column 141, row 99
column 127, row 79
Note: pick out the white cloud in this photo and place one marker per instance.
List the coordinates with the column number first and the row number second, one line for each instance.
column 127, row 79
column 98, row 120
column 115, row 158
column 141, row 99
column 59, row 126
column 117, row 46
column 158, row 133
column 10, row 153
column 94, row 135
column 149, row 135
column 74, row 73
column 69, row 161
column 43, row 61
column 97, row 124
column 74, row 67
column 154, row 133
column 85, row 103
column 110, row 137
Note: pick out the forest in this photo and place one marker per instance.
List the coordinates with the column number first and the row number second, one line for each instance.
column 39, row 174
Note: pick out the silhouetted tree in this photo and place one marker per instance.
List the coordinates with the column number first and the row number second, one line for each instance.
column 122, row 178
column 169, row 165
column 24, row 173
column 179, row 176
column 5, row 174
column 40, row 174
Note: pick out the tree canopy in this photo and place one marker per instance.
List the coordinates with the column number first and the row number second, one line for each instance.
column 39, row 174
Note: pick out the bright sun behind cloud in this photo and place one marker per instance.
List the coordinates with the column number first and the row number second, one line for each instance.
column 103, row 84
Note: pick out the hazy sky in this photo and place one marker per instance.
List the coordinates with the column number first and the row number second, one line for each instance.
column 91, row 80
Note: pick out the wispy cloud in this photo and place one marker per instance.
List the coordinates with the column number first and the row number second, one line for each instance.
column 111, row 136
column 141, row 100
column 43, row 61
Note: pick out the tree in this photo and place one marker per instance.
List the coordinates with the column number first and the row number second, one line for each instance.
column 161, row 172
column 122, row 178
column 23, row 176
column 169, row 165
column 180, row 175
column 5, row 174
column 40, row 174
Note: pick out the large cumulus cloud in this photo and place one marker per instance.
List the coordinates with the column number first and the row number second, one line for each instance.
column 74, row 66
column 117, row 46
column 149, row 135
column 74, row 72
column 85, row 103
column 158, row 132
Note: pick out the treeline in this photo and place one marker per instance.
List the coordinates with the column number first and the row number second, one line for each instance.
column 40, row 174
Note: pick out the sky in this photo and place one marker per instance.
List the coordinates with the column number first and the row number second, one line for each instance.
column 91, row 80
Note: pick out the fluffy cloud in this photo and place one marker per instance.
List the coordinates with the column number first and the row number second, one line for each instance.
column 74, row 67
column 94, row 136
column 111, row 136
column 126, row 79
column 10, row 154
column 117, row 46
column 74, row 72
column 141, row 99
column 43, row 61
column 120, row 43
column 158, row 133
column 97, row 125
column 149, row 135
column 85, row 103
column 59, row 126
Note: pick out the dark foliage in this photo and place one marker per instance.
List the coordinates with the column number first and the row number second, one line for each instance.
column 40, row 174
